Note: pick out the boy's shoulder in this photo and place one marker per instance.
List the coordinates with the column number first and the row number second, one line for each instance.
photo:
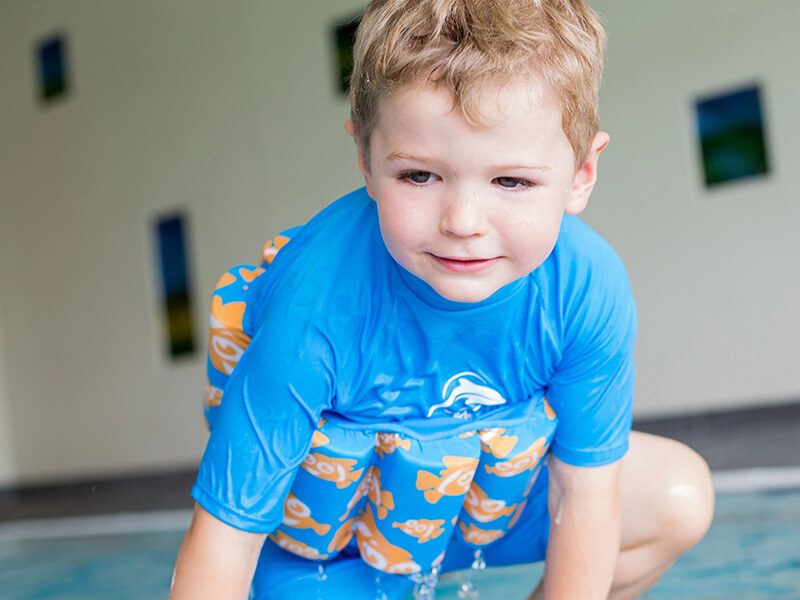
column 580, row 253
column 584, row 274
column 333, row 258
column 338, row 234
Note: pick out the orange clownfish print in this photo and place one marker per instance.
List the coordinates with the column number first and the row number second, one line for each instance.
column 493, row 441
column 479, row 537
column 422, row 529
column 526, row 460
column 226, row 340
column 518, row 513
column 213, row 394
column 453, row 480
column 484, row 509
column 319, row 439
column 343, row 535
column 389, row 442
column 380, row 553
column 294, row 546
column 272, row 247
column 548, row 410
column 338, row 470
column 298, row 515
column 361, row 491
column 382, row 499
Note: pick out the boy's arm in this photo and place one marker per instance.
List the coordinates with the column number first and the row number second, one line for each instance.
column 584, row 531
column 216, row 561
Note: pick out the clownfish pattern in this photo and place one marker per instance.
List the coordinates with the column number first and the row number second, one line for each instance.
column 380, row 553
column 422, row 529
column 343, row 535
column 383, row 500
column 319, row 439
column 272, row 247
column 482, row 508
column 213, row 395
column 389, row 442
column 479, row 537
column 518, row 513
column 495, row 442
column 526, row 460
column 227, row 339
column 453, row 480
column 548, row 410
column 338, row 470
column 294, row 546
column 298, row 515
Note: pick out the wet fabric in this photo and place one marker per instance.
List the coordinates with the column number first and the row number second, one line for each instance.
column 280, row 574
column 335, row 326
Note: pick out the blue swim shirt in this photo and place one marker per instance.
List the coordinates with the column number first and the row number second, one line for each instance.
column 339, row 327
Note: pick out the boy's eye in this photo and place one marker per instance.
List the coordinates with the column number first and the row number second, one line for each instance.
column 512, row 182
column 419, row 177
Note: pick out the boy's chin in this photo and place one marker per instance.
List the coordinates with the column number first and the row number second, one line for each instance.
column 465, row 292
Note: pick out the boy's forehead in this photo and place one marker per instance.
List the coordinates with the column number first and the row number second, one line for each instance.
column 489, row 104
column 519, row 127
column 486, row 102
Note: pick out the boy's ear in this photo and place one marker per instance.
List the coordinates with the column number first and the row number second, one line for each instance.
column 586, row 176
column 362, row 163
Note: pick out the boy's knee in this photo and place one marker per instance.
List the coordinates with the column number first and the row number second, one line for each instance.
column 688, row 498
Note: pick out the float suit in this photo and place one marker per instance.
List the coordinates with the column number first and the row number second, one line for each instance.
column 334, row 326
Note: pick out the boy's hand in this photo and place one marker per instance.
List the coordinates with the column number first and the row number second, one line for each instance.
column 584, row 531
column 216, row 561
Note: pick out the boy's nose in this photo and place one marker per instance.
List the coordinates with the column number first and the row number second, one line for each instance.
column 462, row 217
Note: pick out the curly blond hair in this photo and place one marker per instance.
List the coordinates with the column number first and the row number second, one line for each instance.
column 466, row 44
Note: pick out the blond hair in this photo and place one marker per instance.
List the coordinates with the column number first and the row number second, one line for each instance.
column 464, row 44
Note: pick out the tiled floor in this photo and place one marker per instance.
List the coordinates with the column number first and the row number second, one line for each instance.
column 763, row 437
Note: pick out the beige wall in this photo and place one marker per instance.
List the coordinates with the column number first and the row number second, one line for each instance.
column 229, row 111
column 716, row 273
column 8, row 469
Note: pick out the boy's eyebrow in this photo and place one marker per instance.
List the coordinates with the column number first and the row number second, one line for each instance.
column 394, row 156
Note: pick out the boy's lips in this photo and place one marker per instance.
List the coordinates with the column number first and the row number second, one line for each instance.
column 464, row 264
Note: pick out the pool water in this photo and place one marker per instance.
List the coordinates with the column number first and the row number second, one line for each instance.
column 751, row 552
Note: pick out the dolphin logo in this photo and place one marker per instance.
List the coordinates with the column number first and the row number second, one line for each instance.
column 464, row 394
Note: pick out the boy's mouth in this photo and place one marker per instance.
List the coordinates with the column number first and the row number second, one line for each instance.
column 464, row 264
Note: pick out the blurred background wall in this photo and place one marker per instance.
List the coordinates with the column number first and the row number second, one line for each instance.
column 230, row 111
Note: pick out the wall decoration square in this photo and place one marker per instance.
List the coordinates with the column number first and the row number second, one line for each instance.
column 731, row 134
column 52, row 68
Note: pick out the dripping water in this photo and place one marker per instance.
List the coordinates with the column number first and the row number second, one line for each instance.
column 425, row 584
column 468, row 590
column 479, row 564
column 322, row 577
column 379, row 593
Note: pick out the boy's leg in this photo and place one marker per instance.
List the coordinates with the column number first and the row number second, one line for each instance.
column 667, row 505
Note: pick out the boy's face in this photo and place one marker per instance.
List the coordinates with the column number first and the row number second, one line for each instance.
column 470, row 209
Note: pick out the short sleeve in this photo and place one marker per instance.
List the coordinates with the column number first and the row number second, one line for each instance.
column 272, row 403
column 592, row 387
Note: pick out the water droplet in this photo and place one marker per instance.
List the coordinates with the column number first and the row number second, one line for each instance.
column 479, row 564
column 379, row 593
column 322, row 577
column 467, row 589
column 425, row 584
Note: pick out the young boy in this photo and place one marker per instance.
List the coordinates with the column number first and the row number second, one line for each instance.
column 477, row 134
